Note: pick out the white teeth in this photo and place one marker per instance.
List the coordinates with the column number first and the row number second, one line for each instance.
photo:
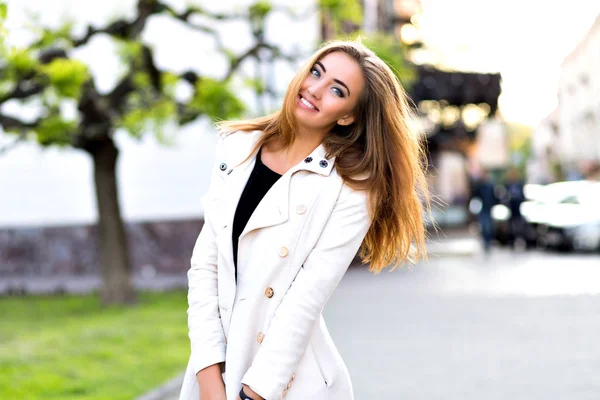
column 306, row 103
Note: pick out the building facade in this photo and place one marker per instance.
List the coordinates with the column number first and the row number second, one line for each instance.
column 579, row 105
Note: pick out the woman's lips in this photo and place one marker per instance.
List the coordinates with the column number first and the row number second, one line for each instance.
column 307, row 105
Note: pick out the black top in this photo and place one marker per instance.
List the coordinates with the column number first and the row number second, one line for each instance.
column 260, row 181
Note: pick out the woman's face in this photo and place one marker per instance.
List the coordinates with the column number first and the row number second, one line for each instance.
column 330, row 92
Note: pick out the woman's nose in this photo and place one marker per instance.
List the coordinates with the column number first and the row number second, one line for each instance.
column 314, row 91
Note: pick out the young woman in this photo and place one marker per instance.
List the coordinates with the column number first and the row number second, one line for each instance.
column 293, row 196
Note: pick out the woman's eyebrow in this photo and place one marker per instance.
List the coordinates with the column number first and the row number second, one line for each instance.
column 343, row 84
column 320, row 64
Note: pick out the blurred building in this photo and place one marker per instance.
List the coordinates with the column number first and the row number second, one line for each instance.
column 579, row 106
column 544, row 163
column 456, row 110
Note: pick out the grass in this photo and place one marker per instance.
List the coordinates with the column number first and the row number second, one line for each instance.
column 72, row 348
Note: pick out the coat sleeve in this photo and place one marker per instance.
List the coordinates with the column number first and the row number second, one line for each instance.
column 291, row 326
column 206, row 333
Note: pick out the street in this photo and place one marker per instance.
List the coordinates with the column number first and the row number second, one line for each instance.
column 514, row 325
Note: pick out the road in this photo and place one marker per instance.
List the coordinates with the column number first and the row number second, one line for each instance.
column 508, row 326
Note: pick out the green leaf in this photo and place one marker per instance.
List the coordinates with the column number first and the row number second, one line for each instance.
column 342, row 10
column 141, row 80
column 216, row 99
column 129, row 51
column 260, row 9
column 20, row 61
column 50, row 37
column 3, row 11
column 55, row 130
column 393, row 53
column 67, row 76
column 257, row 85
column 143, row 118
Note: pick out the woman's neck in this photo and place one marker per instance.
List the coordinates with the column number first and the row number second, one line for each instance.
column 281, row 158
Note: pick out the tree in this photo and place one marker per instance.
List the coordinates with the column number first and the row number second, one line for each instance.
column 143, row 101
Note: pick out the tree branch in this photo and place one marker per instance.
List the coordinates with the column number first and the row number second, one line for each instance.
column 12, row 123
column 253, row 51
column 23, row 90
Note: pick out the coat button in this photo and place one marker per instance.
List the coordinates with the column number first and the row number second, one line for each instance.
column 308, row 159
column 223, row 166
column 260, row 337
column 300, row 209
column 323, row 163
column 283, row 251
column 269, row 292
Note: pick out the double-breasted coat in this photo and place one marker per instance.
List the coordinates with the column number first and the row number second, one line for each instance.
column 268, row 328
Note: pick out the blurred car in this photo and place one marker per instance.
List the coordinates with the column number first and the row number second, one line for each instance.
column 569, row 219
column 504, row 233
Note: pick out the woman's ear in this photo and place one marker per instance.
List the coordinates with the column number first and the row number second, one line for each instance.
column 346, row 120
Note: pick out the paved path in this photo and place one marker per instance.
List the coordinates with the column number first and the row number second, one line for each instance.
column 509, row 326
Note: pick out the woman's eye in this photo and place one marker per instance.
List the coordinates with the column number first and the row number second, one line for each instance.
column 315, row 72
column 338, row 92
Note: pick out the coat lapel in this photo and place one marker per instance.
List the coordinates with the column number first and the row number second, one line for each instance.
column 274, row 207
column 236, row 178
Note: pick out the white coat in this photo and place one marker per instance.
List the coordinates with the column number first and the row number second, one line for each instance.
column 292, row 254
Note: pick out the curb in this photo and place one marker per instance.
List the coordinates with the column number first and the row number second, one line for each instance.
column 168, row 391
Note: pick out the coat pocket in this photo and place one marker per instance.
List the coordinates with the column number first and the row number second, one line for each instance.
column 225, row 319
column 308, row 381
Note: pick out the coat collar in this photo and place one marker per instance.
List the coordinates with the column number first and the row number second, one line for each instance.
column 274, row 207
column 316, row 161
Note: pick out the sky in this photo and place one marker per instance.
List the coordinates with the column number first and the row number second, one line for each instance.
column 524, row 40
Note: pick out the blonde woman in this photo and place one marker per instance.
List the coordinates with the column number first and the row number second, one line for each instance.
column 293, row 196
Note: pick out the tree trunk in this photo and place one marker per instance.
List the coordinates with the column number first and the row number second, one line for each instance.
column 114, row 249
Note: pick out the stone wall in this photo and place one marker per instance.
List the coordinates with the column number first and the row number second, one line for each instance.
column 156, row 247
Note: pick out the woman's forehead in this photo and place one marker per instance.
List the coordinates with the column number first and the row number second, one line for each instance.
column 339, row 65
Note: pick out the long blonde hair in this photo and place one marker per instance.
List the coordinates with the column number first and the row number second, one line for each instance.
column 379, row 144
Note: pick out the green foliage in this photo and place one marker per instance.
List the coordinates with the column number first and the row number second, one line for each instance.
column 55, row 130
column 257, row 85
column 19, row 62
column 129, row 51
column 260, row 9
column 49, row 37
column 168, row 81
column 72, row 348
column 66, row 75
column 342, row 10
column 143, row 118
column 215, row 99
column 393, row 53
column 3, row 15
column 520, row 145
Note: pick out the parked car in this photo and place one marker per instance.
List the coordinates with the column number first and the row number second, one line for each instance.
column 570, row 218
column 504, row 233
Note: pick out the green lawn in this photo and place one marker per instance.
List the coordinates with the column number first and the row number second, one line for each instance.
column 72, row 348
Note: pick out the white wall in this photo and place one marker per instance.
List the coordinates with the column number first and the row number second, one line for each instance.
column 579, row 98
column 54, row 186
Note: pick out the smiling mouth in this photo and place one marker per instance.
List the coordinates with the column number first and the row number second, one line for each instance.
column 307, row 103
